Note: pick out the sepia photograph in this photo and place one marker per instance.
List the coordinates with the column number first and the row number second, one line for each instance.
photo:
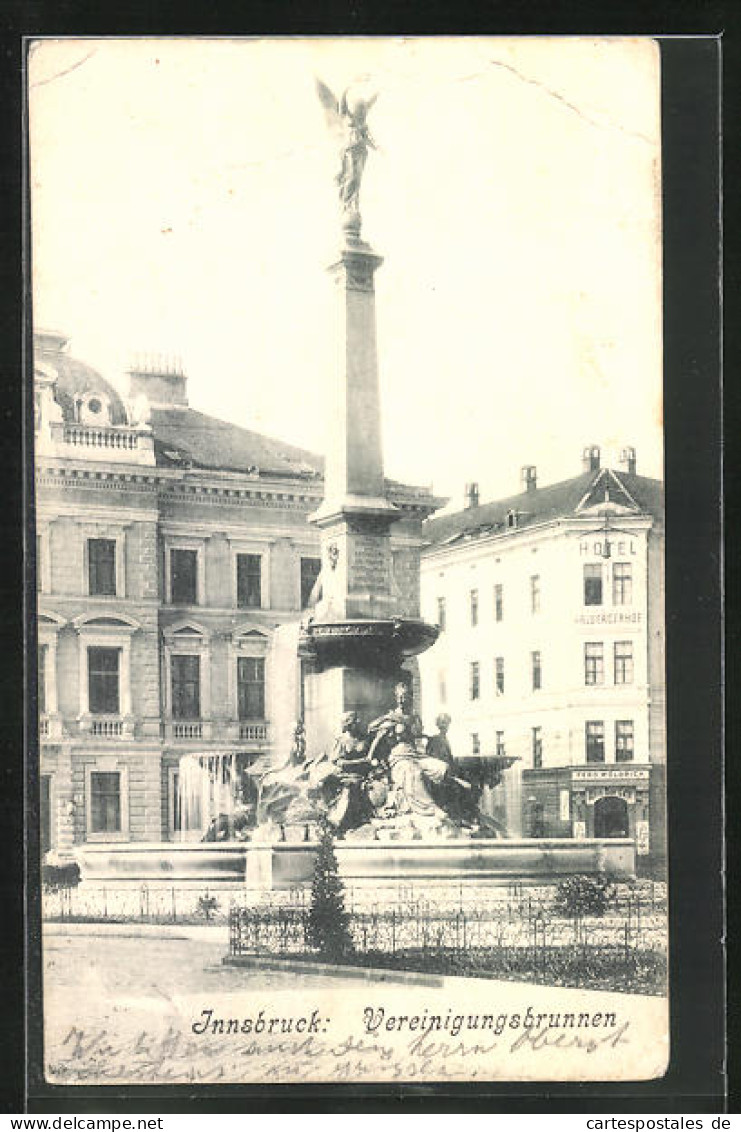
column 350, row 757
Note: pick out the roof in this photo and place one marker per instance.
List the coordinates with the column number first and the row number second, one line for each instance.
column 550, row 502
column 185, row 436
column 75, row 378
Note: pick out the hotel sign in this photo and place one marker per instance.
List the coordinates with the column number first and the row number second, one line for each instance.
column 621, row 548
column 610, row 775
column 614, row 617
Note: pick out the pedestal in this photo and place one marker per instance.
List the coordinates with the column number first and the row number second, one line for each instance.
column 329, row 693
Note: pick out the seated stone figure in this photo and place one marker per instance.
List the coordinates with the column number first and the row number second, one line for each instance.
column 414, row 772
column 453, row 792
column 345, row 787
column 284, row 784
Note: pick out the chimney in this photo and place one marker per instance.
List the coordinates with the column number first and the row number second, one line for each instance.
column 162, row 380
column 529, row 477
column 628, row 460
column 472, row 495
column 590, row 458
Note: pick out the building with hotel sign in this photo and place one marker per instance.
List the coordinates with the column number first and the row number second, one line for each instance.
column 551, row 605
column 170, row 548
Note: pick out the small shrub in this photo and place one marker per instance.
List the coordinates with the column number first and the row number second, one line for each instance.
column 207, row 906
column 328, row 926
column 57, row 876
column 583, row 896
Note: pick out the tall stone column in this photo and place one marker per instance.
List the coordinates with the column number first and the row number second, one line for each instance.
column 355, row 515
column 358, row 636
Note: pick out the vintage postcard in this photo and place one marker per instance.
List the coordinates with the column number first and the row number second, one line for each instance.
column 350, row 559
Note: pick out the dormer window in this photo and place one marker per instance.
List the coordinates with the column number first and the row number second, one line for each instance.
column 93, row 408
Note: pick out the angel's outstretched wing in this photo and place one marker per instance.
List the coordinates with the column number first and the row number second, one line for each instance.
column 331, row 107
column 368, row 104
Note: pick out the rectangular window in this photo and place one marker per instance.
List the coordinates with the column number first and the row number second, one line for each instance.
column 594, row 662
column 474, row 601
column 499, row 603
column 186, row 687
column 499, row 675
column 101, row 562
column 537, row 742
column 442, row 688
column 251, row 687
column 595, row 741
column 624, row 750
column 310, row 568
column 622, row 583
column 592, row 583
column 475, row 680
column 41, row 685
column 537, row 671
column 623, row 662
column 249, row 581
column 183, row 576
column 535, row 593
column 441, row 614
column 475, row 743
column 500, row 745
column 102, row 675
column 105, row 801
column 186, row 811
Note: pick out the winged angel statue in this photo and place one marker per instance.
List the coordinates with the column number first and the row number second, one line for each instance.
column 347, row 121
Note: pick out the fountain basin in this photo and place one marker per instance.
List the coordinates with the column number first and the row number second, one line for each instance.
column 283, row 865
column 367, row 643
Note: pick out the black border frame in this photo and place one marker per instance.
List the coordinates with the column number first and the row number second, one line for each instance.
column 691, row 194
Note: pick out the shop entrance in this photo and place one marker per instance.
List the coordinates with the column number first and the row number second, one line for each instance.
column 611, row 817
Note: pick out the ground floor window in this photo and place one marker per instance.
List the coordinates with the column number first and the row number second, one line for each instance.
column 537, row 819
column 105, row 801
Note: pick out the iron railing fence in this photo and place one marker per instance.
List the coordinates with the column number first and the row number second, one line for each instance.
column 284, row 930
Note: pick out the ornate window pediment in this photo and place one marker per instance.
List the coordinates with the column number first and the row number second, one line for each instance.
column 185, row 630
column 50, row 620
column 251, row 632
column 120, row 623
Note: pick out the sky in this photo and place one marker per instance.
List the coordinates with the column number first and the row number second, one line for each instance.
column 183, row 203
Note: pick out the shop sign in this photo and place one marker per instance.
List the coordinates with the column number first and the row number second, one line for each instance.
column 580, row 830
column 609, row 775
column 564, row 800
column 627, row 793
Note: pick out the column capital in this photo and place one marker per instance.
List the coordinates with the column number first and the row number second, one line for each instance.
column 356, row 267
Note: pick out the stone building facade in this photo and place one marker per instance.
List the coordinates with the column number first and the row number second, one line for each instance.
column 552, row 650
column 170, row 548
